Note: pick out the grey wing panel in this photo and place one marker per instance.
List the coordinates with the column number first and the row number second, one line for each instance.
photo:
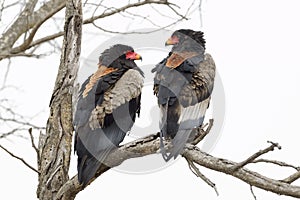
column 128, row 87
column 201, row 85
column 193, row 116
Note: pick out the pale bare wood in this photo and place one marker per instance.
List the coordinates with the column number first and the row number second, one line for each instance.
column 56, row 145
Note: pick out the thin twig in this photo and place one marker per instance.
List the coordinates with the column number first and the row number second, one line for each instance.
column 46, row 39
column 256, row 155
column 137, row 32
column 103, row 15
column 161, row 13
column 19, row 158
column 11, row 132
column 177, row 13
column 92, row 19
column 9, row 55
column 252, row 192
column 6, row 73
column 123, row 8
column 200, row 12
column 33, row 144
column 23, row 123
column 276, row 162
column 197, row 172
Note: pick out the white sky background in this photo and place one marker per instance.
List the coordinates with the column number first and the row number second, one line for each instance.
column 255, row 45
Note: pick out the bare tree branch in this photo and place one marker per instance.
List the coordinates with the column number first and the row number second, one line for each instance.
column 252, row 178
column 256, row 155
column 292, row 178
column 28, row 40
column 19, row 158
column 162, row 14
column 56, row 145
column 150, row 145
column 137, row 4
column 276, row 162
column 37, row 18
column 13, row 122
column 200, row 12
column 252, row 192
column 176, row 12
column 46, row 39
column 11, row 132
column 6, row 74
column 21, row 123
column 26, row 21
column 33, row 144
column 92, row 20
column 197, row 172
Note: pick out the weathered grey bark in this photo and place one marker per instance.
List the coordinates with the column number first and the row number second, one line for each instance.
column 27, row 20
column 252, row 178
column 55, row 146
column 151, row 144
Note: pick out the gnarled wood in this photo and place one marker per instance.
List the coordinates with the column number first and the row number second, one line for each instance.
column 151, row 144
column 55, row 146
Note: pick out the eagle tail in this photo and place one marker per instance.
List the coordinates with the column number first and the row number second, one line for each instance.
column 87, row 168
column 163, row 129
column 88, row 165
column 162, row 148
column 93, row 147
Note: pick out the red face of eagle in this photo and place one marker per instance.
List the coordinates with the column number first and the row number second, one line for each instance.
column 108, row 103
column 183, row 84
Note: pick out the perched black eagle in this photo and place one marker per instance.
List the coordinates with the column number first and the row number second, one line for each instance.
column 183, row 84
column 108, row 103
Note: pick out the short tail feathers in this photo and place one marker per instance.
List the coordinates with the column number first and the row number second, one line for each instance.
column 178, row 143
column 88, row 163
column 87, row 168
column 93, row 147
column 162, row 147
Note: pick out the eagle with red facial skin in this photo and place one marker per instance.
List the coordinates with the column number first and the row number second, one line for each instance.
column 108, row 103
column 183, row 84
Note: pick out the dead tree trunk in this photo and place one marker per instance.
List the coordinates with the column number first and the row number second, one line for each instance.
column 55, row 145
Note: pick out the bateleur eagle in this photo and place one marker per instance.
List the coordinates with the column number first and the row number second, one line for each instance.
column 183, row 84
column 108, row 103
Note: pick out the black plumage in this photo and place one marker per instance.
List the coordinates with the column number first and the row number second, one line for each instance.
column 183, row 84
column 108, row 103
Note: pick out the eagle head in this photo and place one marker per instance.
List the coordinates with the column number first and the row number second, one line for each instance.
column 186, row 37
column 118, row 55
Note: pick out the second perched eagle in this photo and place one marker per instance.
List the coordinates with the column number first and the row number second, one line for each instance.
column 183, row 84
column 108, row 103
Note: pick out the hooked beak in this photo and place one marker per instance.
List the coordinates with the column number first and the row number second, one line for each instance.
column 171, row 41
column 133, row 56
column 138, row 57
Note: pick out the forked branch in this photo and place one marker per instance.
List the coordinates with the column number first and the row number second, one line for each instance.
column 150, row 145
